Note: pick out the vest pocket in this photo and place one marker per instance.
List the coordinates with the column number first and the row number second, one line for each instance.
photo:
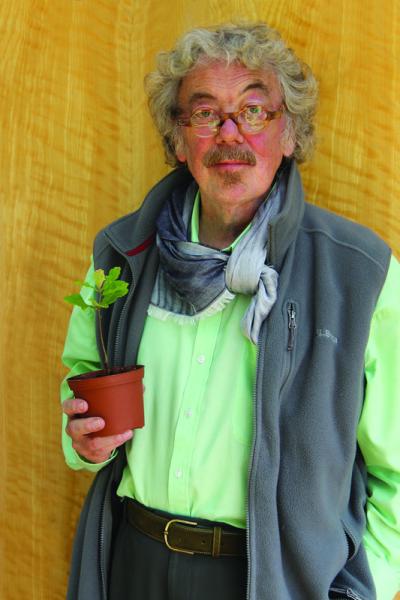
column 290, row 314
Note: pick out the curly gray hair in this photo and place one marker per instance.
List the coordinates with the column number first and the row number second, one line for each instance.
column 256, row 46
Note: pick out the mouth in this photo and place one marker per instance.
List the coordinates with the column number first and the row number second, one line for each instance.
column 231, row 164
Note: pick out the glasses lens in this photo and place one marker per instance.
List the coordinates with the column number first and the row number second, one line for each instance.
column 253, row 118
column 205, row 122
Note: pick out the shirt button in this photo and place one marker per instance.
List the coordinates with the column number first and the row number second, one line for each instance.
column 188, row 413
column 201, row 359
column 178, row 473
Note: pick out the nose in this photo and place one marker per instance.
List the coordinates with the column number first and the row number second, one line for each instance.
column 229, row 133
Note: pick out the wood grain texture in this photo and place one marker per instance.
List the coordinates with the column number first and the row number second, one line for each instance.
column 78, row 150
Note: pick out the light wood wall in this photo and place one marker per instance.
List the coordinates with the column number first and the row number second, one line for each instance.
column 78, row 150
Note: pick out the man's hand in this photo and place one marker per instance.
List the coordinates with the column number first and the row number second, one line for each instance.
column 93, row 449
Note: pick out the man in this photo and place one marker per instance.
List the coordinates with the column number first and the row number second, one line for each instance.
column 270, row 334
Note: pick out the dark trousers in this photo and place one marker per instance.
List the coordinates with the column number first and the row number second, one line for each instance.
column 145, row 569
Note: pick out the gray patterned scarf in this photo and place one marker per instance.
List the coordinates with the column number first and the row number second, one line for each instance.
column 194, row 280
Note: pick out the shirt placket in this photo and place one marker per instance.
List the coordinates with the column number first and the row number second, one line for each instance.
column 191, row 406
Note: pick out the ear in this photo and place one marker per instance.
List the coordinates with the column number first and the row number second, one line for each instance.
column 180, row 149
column 288, row 146
column 181, row 156
column 287, row 140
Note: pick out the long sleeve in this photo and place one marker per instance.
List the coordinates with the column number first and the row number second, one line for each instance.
column 379, row 438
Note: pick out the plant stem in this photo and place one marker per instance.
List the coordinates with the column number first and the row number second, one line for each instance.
column 102, row 341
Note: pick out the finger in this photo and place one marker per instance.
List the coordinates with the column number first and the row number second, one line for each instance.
column 98, row 449
column 74, row 406
column 104, row 445
column 77, row 428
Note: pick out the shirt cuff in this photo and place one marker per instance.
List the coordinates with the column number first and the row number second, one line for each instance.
column 76, row 462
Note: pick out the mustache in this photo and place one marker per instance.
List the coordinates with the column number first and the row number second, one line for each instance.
column 216, row 155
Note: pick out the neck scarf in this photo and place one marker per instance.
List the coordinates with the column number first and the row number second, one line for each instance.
column 196, row 281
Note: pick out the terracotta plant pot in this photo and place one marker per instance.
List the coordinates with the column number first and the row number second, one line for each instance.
column 116, row 396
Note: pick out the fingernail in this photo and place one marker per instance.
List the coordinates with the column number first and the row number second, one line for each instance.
column 82, row 405
column 97, row 424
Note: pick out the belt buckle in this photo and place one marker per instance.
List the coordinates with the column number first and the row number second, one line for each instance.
column 166, row 531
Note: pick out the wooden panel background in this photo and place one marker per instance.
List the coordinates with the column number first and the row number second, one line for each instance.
column 78, row 150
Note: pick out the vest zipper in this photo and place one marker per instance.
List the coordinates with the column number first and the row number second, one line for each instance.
column 103, row 590
column 291, row 311
column 261, row 345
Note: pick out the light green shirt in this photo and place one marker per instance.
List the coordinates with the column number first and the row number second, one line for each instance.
column 200, row 408
column 192, row 456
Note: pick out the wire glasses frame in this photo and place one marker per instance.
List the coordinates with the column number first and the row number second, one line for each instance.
column 248, row 122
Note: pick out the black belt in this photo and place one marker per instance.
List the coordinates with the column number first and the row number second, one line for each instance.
column 186, row 536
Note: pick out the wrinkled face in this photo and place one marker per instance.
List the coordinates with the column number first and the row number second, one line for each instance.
column 232, row 168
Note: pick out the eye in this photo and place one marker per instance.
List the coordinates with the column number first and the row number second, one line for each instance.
column 254, row 109
column 204, row 115
column 254, row 112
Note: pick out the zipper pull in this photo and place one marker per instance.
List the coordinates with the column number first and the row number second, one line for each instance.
column 292, row 326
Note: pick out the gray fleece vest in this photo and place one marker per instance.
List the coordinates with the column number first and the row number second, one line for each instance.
column 307, row 478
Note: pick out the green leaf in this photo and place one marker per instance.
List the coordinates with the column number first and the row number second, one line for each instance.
column 118, row 290
column 111, row 284
column 113, row 274
column 99, row 278
column 87, row 285
column 77, row 300
column 121, row 286
column 111, row 298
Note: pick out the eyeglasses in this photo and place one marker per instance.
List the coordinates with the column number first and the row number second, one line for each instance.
column 251, row 119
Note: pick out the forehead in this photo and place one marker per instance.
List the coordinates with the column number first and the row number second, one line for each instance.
column 228, row 83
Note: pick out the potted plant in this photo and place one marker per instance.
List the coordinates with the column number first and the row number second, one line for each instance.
column 113, row 393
